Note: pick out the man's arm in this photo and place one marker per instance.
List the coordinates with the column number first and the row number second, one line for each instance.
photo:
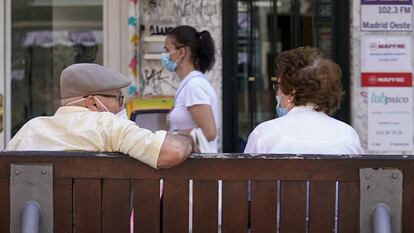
column 175, row 149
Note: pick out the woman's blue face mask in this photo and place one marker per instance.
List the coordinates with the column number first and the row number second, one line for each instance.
column 279, row 110
column 167, row 63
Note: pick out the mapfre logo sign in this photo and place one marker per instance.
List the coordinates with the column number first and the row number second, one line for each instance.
column 391, row 46
column 386, row 79
column 374, row 46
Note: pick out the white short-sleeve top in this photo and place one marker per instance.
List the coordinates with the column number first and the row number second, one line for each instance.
column 304, row 131
column 193, row 89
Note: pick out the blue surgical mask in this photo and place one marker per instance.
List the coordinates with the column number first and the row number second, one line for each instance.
column 279, row 110
column 167, row 63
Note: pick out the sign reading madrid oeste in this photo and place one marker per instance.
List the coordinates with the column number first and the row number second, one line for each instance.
column 386, row 15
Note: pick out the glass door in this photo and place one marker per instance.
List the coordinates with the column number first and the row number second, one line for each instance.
column 256, row 49
column 262, row 29
column 39, row 38
column 46, row 37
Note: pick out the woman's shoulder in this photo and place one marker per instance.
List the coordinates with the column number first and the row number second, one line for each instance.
column 198, row 81
column 341, row 127
column 197, row 77
column 268, row 133
column 339, row 123
column 273, row 125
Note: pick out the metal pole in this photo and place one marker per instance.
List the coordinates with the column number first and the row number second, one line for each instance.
column 31, row 217
column 382, row 218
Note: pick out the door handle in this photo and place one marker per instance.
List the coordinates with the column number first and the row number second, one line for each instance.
column 1, row 113
column 251, row 79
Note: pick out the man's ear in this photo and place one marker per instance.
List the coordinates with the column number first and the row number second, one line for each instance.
column 90, row 103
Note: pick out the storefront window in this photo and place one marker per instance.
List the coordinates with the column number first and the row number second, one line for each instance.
column 47, row 36
column 264, row 29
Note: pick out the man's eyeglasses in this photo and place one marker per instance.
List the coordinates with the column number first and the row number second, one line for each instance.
column 119, row 97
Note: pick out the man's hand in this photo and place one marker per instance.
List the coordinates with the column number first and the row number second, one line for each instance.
column 187, row 133
column 175, row 149
column 187, row 136
column 196, row 149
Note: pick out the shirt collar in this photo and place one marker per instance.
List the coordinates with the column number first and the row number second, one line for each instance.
column 70, row 109
column 303, row 108
column 189, row 76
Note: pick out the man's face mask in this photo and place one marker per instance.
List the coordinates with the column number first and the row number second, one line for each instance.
column 97, row 100
column 167, row 63
column 75, row 101
column 121, row 114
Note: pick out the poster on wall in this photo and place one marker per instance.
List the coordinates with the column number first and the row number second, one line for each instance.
column 386, row 53
column 386, row 71
column 390, row 118
column 386, row 15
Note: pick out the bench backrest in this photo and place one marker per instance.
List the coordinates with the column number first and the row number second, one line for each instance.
column 97, row 192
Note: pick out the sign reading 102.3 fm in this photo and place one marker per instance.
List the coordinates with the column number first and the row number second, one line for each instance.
column 386, row 15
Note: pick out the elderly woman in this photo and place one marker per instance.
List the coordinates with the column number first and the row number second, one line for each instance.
column 308, row 90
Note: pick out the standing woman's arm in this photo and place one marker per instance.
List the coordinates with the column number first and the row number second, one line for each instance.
column 204, row 118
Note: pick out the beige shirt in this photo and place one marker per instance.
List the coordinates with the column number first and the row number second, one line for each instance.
column 78, row 128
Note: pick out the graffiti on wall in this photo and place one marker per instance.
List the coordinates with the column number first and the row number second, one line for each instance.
column 160, row 15
column 155, row 80
column 196, row 8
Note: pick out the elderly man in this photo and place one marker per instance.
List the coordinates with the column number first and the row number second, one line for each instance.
column 87, row 120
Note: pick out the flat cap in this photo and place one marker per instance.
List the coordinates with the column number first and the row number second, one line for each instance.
column 87, row 78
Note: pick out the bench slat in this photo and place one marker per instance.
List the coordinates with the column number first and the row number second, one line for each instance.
column 146, row 198
column 322, row 169
column 292, row 206
column 322, row 207
column 205, row 204
column 5, row 205
column 348, row 207
column 407, row 205
column 263, row 206
column 175, row 206
column 62, row 205
column 116, row 200
column 87, row 205
column 235, row 210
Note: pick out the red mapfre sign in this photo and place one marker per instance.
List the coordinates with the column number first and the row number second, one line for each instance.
column 386, row 79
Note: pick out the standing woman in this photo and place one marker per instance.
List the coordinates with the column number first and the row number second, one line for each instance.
column 190, row 54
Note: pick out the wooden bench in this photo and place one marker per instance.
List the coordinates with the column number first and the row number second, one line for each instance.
column 95, row 192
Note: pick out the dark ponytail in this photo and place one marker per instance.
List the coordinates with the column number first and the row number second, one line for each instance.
column 201, row 45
